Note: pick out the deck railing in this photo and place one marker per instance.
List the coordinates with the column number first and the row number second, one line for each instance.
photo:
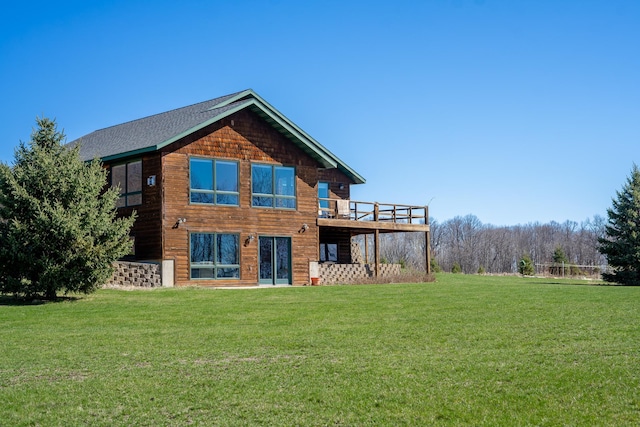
column 373, row 211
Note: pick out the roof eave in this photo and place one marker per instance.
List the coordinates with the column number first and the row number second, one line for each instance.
column 127, row 154
column 312, row 147
column 333, row 160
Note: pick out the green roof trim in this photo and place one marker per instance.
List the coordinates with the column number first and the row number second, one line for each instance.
column 130, row 154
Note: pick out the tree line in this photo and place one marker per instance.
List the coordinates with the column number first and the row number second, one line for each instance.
column 464, row 244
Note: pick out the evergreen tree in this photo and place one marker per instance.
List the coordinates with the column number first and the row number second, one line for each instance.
column 559, row 256
column 58, row 226
column 560, row 261
column 621, row 244
column 435, row 266
column 456, row 268
column 525, row 266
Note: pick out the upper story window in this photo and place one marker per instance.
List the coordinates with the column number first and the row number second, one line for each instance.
column 323, row 197
column 128, row 176
column 214, row 181
column 273, row 186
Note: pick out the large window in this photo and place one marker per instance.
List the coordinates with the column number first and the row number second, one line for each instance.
column 214, row 181
column 215, row 256
column 128, row 177
column 273, row 186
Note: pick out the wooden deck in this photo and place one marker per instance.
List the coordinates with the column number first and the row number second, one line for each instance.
column 385, row 217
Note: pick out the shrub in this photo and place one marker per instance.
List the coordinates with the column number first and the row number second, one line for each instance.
column 525, row 266
column 456, row 269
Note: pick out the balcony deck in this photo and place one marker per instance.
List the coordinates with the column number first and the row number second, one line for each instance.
column 384, row 217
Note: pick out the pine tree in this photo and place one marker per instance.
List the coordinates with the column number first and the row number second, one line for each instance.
column 560, row 261
column 435, row 266
column 559, row 256
column 621, row 244
column 58, row 226
column 456, row 268
column 525, row 266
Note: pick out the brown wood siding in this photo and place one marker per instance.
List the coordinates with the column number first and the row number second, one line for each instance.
column 147, row 229
column 341, row 237
column 248, row 139
column 335, row 178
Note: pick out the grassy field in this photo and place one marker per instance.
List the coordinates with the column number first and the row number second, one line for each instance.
column 466, row 350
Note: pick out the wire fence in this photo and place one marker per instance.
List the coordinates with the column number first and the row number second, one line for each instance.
column 564, row 269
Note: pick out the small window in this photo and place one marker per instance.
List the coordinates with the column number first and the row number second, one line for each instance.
column 273, row 186
column 323, row 198
column 214, row 181
column 329, row 252
column 215, row 256
column 128, row 177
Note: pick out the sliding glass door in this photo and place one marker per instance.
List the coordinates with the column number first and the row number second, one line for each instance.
column 275, row 260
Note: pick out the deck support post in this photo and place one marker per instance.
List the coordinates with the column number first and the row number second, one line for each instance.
column 376, row 244
column 427, row 251
column 427, row 242
column 376, row 249
column 366, row 249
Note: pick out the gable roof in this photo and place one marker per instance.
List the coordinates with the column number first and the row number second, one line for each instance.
column 155, row 132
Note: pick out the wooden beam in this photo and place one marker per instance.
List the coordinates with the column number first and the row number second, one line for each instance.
column 371, row 225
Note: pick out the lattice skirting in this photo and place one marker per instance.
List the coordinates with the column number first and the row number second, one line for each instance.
column 350, row 273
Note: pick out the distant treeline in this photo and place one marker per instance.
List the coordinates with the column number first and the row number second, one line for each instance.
column 467, row 243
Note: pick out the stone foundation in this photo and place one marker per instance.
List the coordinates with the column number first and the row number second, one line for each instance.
column 351, row 273
column 136, row 274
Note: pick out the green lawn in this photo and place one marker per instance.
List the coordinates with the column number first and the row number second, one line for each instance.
column 466, row 350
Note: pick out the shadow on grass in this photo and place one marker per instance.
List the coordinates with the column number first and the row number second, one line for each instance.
column 578, row 283
column 11, row 300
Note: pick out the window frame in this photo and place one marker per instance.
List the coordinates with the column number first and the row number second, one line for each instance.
column 273, row 195
column 324, row 202
column 125, row 194
column 214, row 265
column 214, row 192
column 325, row 252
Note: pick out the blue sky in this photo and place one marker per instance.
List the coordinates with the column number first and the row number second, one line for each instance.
column 515, row 111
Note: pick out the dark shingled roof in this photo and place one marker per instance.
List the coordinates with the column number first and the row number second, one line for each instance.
column 157, row 131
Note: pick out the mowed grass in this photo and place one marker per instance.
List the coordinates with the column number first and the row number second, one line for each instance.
column 466, row 350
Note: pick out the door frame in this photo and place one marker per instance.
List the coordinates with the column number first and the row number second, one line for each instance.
column 274, row 281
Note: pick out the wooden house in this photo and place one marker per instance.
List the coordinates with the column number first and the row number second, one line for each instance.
column 229, row 192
